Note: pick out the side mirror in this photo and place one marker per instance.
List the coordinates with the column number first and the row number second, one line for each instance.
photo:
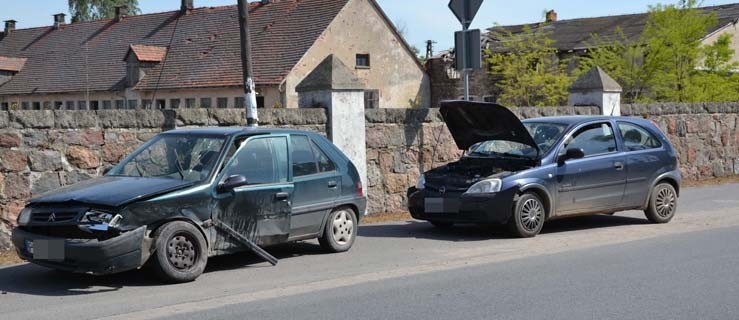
column 572, row 153
column 232, row 182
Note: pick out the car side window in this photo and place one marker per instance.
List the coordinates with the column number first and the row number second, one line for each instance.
column 593, row 139
column 261, row 161
column 637, row 138
column 303, row 158
column 324, row 162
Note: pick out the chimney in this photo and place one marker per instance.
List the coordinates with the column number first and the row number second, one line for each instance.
column 121, row 12
column 59, row 20
column 9, row 26
column 187, row 6
column 551, row 16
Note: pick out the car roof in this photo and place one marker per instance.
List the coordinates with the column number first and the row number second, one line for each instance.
column 232, row 131
column 573, row 120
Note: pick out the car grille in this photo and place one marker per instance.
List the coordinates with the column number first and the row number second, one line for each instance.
column 56, row 215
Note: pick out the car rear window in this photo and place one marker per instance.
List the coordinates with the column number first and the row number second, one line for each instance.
column 304, row 161
column 636, row 138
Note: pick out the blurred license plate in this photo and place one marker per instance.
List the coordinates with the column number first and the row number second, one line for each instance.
column 441, row 205
column 46, row 249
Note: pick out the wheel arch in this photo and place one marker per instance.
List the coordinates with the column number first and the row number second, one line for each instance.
column 665, row 178
column 351, row 206
column 187, row 220
column 542, row 193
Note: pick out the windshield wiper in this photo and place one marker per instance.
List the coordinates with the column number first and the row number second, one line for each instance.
column 178, row 164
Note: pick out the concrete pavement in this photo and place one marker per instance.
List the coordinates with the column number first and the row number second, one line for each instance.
column 396, row 255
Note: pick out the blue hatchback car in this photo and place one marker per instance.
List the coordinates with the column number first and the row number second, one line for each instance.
column 523, row 173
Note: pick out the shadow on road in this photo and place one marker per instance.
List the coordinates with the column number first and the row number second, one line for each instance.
column 466, row 233
column 35, row 280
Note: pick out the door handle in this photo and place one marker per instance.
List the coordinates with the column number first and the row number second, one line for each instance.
column 618, row 165
column 282, row 196
column 332, row 184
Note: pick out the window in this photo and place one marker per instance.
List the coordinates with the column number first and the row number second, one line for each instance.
column 593, row 139
column 239, row 102
column 146, row 104
column 120, row 104
column 4, row 106
column 94, row 105
column 161, row 103
column 260, row 102
column 190, row 103
column 133, row 104
column 107, row 105
column 36, row 106
column 637, row 138
column 174, row 103
column 69, row 105
column 304, row 162
column 222, row 103
column 324, row 162
column 206, row 102
column 261, row 161
column 25, row 105
column 363, row 61
column 58, row 105
column 47, row 105
column 372, row 99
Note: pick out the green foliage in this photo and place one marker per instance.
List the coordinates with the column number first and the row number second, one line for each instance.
column 668, row 62
column 528, row 71
column 87, row 10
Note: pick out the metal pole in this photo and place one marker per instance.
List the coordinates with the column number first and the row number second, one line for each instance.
column 466, row 85
column 250, row 95
column 465, row 27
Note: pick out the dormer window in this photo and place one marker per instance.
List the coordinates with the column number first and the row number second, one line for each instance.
column 139, row 60
column 9, row 67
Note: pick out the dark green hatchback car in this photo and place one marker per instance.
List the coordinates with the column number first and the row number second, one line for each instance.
column 190, row 194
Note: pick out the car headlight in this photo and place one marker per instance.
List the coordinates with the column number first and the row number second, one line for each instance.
column 485, row 186
column 101, row 218
column 421, row 184
column 24, row 217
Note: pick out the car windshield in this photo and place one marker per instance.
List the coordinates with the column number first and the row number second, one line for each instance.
column 544, row 134
column 185, row 157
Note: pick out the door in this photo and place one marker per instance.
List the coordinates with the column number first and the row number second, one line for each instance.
column 317, row 186
column 595, row 182
column 259, row 210
column 644, row 159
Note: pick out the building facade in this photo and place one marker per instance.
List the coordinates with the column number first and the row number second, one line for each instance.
column 190, row 58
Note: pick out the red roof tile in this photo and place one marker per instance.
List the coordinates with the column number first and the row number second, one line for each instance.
column 204, row 50
column 12, row 64
column 148, row 53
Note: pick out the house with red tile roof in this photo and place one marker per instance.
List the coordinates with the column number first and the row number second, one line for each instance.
column 190, row 57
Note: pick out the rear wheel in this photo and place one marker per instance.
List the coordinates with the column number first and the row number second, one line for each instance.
column 340, row 230
column 528, row 216
column 662, row 204
column 180, row 252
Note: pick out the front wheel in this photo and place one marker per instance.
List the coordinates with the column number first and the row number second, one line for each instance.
column 528, row 216
column 340, row 230
column 180, row 252
column 662, row 204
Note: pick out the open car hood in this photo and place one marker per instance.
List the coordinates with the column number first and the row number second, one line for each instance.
column 473, row 122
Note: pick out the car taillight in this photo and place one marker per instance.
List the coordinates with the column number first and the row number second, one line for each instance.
column 360, row 191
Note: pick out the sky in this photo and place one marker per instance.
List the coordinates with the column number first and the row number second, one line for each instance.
column 421, row 19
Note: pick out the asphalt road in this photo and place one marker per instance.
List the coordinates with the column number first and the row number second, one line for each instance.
column 604, row 267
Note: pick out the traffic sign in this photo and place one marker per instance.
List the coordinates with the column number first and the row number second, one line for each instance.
column 468, row 49
column 465, row 10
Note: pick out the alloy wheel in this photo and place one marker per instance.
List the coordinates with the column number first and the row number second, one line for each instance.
column 665, row 202
column 343, row 227
column 532, row 214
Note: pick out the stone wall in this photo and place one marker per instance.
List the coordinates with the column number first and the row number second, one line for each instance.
column 42, row 150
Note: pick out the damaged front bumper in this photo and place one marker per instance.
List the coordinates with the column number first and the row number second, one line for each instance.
column 125, row 252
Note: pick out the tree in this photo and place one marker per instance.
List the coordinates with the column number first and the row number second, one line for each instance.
column 526, row 69
column 668, row 61
column 86, row 10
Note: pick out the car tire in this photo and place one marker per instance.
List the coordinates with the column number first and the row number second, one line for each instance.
column 340, row 230
column 180, row 252
column 528, row 216
column 662, row 204
column 442, row 224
